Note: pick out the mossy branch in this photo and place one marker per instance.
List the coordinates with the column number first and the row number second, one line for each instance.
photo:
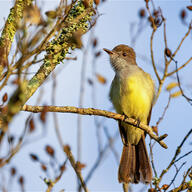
column 10, row 28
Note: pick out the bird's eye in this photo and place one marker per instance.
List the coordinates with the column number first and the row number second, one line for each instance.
column 124, row 54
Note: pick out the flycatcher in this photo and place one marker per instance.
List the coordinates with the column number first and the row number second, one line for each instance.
column 132, row 94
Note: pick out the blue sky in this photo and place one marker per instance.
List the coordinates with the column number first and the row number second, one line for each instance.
column 113, row 27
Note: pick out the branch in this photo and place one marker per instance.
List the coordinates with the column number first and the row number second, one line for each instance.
column 182, row 66
column 182, row 40
column 10, row 27
column 91, row 111
column 152, row 56
column 74, row 165
column 175, row 156
column 184, row 185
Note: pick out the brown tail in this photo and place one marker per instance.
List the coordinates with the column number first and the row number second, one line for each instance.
column 135, row 165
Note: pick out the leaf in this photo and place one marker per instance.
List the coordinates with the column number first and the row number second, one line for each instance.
column 34, row 157
column 101, row 79
column 80, row 165
column 171, row 85
column 176, row 94
column 165, row 187
column 51, row 14
column 189, row 7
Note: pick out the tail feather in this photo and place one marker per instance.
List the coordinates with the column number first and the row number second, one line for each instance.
column 144, row 162
column 135, row 165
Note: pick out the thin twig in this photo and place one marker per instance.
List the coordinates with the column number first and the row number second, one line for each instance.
column 179, row 84
column 152, row 56
column 74, row 165
column 152, row 159
column 184, row 185
column 186, row 154
column 181, row 42
column 100, row 157
column 81, row 99
column 110, row 139
column 181, row 67
column 164, row 112
column 175, row 156
column 177, row 171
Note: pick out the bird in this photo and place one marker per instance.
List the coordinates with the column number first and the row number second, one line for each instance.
column 132, row 94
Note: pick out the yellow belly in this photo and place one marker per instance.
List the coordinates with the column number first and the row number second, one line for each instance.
column 132, row 98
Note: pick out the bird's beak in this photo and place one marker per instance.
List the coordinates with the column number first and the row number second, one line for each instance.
column 108, row 51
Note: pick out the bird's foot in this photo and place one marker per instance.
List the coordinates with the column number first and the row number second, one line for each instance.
column 137, row 121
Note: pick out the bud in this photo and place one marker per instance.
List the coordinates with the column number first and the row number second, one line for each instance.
column 90, row 81
column 34, row 157
column 21, row 180
column 168, row 52
column 97, row 2
column 31, row 126
column 11, row 139
column 44, row 167
column 67, row 149
column 95, row 42
column 98, row 54
column 50, row 150
column 183, row 14
column 158, row 21
column 142, row 13
column 165, row 187
column 5, row 97
column 13, row 171
column 156, row 13
column 152, row 190
column 43, row 114
column 62, row 167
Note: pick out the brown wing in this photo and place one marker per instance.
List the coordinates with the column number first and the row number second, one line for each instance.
column 123, row 134
column 149, row 116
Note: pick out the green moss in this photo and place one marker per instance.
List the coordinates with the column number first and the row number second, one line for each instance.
column 59, row 47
